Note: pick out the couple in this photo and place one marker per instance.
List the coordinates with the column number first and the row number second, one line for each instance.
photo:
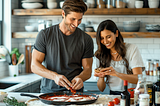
column 67, row 54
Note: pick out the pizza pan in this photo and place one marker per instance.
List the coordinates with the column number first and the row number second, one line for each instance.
column 50, row 102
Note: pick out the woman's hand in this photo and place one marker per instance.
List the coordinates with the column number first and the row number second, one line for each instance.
column 106, row 71
column 99, row 74
column 109, row 71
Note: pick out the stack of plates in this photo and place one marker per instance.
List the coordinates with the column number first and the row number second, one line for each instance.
column 153, row 27
column 32, row 4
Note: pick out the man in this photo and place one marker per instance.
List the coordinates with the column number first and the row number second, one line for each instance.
column 65, row 49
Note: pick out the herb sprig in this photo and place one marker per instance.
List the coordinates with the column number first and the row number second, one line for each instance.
column 13, row 102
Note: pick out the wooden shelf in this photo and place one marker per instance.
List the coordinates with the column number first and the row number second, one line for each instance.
column 93, row 34
column 94, row 11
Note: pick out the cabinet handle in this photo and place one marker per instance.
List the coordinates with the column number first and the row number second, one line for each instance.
column 92, row 90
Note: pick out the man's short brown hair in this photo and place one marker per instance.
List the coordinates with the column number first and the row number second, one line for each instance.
column 74, row 6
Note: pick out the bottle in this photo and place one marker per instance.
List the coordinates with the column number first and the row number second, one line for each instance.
column 144, row 100
column 148, row 63
column 125, row 95
column 157, row 89
column 151, row 69
column 156, row 64
column 150, row 90
column 140, row 88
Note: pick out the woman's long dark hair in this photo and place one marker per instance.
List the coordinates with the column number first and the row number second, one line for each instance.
column 103, row 54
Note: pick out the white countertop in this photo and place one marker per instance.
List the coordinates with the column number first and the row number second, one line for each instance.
column 23, row 81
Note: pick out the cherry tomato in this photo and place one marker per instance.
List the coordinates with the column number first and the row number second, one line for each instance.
column 111, row 103
column 131, row 91
column 116, row 101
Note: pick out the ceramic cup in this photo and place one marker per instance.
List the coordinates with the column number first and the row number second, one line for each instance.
column 13, row 70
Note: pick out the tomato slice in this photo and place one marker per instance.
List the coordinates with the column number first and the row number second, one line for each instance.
column 73, row 91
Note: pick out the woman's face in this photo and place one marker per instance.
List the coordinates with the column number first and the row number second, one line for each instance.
column 108, row 38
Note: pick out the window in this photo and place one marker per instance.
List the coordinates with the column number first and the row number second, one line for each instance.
column 1, row 19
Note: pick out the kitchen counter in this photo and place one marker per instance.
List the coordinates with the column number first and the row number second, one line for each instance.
column 22, row 80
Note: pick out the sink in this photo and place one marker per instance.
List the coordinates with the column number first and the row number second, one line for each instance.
column 4, row 85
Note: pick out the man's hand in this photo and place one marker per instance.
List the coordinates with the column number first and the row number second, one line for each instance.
column 61, row 80
column 77, row 83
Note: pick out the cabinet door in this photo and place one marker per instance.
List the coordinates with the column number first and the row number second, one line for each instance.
column 91, row 87
column 36, row 87
column 25, row 89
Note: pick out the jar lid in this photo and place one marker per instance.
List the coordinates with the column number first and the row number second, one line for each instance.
column 144, row 96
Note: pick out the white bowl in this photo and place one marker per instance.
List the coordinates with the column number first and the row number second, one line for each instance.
column 139, row 5
column 61, row 4
column 51, row 1
column 32, row 5
column 153, row 4
column 2, row 95
column 139, row 2
column 29, row 1
column 29, row 28
column 52, row 5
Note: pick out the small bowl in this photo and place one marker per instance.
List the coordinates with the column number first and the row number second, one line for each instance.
column 29, row 28
column 153, row 4
column 61, row 4
column 131, row 26
column 89, row 29
column 52, row 5
column 2, row 95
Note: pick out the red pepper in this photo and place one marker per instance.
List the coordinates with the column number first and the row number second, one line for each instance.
column 131, row 91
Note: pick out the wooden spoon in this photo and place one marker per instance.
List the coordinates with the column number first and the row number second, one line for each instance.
column 21, row 58
column 14, row 59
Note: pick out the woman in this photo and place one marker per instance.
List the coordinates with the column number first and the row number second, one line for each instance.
column 118, row 60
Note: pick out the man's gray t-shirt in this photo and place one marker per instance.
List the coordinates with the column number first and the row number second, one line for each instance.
column 63, row 54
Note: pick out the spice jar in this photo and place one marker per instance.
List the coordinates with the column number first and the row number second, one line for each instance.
column 41, row 25
column 144, row 100
column 120, row 3
column 48, row 23
column 148, row 64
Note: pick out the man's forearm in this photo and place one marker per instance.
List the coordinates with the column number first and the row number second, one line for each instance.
column 39, row 69
column 85, row 74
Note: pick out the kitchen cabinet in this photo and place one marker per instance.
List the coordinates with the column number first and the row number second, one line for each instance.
column 91, row 87
column 31, row 88
column 93, row 34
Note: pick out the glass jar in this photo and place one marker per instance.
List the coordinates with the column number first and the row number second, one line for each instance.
column 48, row 23
column 41, row 25
column 120, row 3
column 101, row 4
column 144, row 100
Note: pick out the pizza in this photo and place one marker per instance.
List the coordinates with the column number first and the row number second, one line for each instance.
column 97, row 70
column 69, row 98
